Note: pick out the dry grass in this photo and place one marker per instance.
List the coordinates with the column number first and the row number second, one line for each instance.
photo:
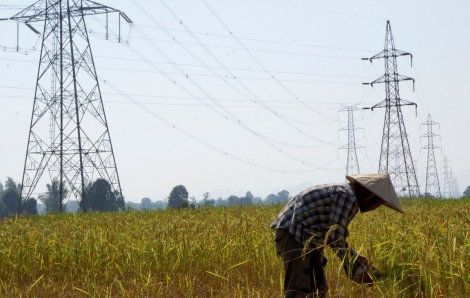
column 226, row 252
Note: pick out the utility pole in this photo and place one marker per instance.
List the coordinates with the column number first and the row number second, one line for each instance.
column 447, row 178
column 433, row 188
column 69, row 135
column 352, row 165
column 394, row 131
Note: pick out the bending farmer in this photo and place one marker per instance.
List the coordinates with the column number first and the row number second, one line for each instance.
column 322, row 214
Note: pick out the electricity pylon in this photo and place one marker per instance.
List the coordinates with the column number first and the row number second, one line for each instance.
column 432, row 179
column 394, row 131
column 455, row 190
column 447, row 178
column 69, row 134
column 352, row 165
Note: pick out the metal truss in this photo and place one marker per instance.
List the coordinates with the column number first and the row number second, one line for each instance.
column 69, row 135
column 402, row 173
column 352, row 165
column 433, row 188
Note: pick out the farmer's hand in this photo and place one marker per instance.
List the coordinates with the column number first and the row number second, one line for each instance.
column 362, row 259
column 364, row 279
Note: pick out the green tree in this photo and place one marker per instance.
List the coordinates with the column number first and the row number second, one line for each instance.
column 10, row 197
column 146, row 203
column 283, row 196
column 271, row 199
column 247, row 199
column 30, row 207
column 466, row 193
column 178, row 197
column 52, row 197
column 100, row 197
column 3, row 209
column 207, row 201
column 233, row 200
column 11, row 184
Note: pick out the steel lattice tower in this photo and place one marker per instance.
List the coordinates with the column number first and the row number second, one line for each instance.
column 432, row 179
column 455, row 190
column 352, row 165
column 394, row 131
column 447, row 178
column 69, row 135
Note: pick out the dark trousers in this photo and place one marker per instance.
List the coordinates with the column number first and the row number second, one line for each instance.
column 304, row 275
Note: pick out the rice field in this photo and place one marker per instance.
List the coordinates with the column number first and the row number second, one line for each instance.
column 226, row 252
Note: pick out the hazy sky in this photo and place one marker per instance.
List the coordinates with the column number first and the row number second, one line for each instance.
column 285, row 55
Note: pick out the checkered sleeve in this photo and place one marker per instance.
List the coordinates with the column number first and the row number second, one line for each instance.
column 343, row 209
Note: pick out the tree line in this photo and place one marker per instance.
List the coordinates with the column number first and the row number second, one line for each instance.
column 99, row 197
column 179, row 198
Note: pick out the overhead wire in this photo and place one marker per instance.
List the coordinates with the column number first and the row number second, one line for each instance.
column 206, row 144
column 258, row 101
column 254, row 39
column 232, row 118
column 232, row 48
column 226, row 81
column 269, row 141
column 191, row 98
column 303, row 162
column 234, row 68
column 205, row 66
column 249, row 53
column 173, row 104
column 251, row 94
column 155, row 47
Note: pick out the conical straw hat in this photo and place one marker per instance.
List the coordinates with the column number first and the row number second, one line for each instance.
column 381, row 186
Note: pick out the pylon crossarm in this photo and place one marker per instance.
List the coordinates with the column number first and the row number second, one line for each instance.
column 380, row 80
column 41, row 10
column 379, row 55
column 32, row 13
column 405, row 78
column 382, row 104
column 403, row 102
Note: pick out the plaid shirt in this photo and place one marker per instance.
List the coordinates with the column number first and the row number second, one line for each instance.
column 311, row 214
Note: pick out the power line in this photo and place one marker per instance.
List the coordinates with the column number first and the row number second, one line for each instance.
column 233, row 48
column 179, row 104
column 202, row 98
column 116, row 89
column 251, row 55
column 282, row 117
column 233, row 118
column 205, row 66
column 155, row 47
column 255, row 39
column 190, row 98
column 240, row 69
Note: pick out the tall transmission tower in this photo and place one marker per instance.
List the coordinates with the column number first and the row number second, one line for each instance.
column 352, row 165
column 394, row 131
column 455, row 190
column 447, row 178
column 432, row 179
column 69, row 134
